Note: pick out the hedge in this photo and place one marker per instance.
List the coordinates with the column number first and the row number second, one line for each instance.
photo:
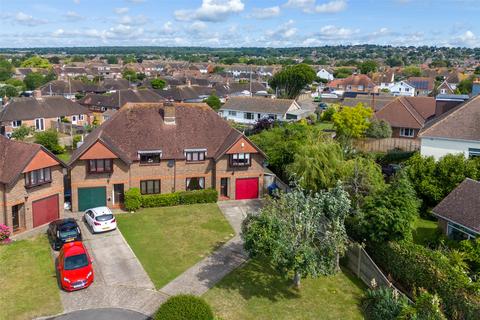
column 184, row 307
column 415, row 267
column 135, row 200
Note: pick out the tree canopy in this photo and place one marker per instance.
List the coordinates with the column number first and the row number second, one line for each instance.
column 300, row 232
column 378, row 129
column 292, row 79
column 352, row 122
column 213, row 101
column 158, row 83
column 130, row 75
column 412, row 71
column 6, row 69
column 36, row 62
column 368, row 66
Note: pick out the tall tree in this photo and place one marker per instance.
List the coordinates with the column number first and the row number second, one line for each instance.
column 292, row 79
column 6, row 69
column 352, row 122
column 213, row 101
column 34, row 80
column 158, row 83
column 300, row 232
column 368, row 66
column 36, row 62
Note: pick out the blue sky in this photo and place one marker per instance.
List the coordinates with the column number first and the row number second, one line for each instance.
column 234, row 23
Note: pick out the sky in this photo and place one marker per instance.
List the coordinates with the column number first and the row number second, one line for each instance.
column 238, row 23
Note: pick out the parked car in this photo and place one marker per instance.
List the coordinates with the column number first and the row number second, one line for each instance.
column 317, row 99
column 323, row 106
column 74, row 267
column 100, row 219
column 62, row 231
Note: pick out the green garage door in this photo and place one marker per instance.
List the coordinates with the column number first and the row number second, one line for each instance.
column 91, row 198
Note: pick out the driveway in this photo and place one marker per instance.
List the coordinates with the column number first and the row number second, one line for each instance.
column 120, row 280
column 102, row 314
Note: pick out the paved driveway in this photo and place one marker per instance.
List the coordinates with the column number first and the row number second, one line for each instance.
column 103, row 314
column 120, row 280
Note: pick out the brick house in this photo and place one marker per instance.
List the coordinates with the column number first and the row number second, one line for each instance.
column 354, row 83
column 163, row 148
column 31, row 185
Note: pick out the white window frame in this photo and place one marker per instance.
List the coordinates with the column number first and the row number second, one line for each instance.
column 81, row 117
column 232, row 113
column 16, row 123
column 405, row 132
column 74, row 119
column 40, row 124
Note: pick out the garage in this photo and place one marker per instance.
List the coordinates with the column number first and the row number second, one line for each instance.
column 246, row 188
column 45, row 210
column 91, row 198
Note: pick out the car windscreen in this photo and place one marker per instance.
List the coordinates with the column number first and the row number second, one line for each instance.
column 104, row 217
column 68, row 231
column 76, row 262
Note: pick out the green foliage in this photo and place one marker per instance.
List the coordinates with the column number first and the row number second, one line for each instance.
column 300, row 232
column 383, row 304
column 437, row 63
column 218, row 69
column 8, row 91
column 158, row 83
column 132, row 199
column 426, row 307
column 433, row 181
column 130, row 75
column 379, row 129
column 184, row 307
column 198, row 196
column 412, row 71
column 415, row 266
column 352, row 122
column 76, row 139
column 327, row 115
column 465, row 86
column 317, row 164
column 112, row 60
column 36, row 62
column 160, row 200
column 49, row 139
column 389, row 214
column 21, row 132
column 291, row 80
column 6, row 69
column 78, row 58
column 16, row 83
column 34, row 80
column 213, row 101
column 471, row 250
column 368, row 66
column 341, row 73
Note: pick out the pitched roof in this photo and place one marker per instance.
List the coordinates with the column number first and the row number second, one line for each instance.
column 460, row 123
column 119, row 98
column 407, row 112
column 140, row 126
column 353, row 80
column 421, row 83
column 377, row 101
column 462, row 205
column 258, row 104
column 29, row 108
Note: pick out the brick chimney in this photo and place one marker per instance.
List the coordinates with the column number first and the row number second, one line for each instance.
column 169, row 113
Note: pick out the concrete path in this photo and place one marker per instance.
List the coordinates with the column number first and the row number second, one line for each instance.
column 103, row 314
column 206, row 273
column 120, row 280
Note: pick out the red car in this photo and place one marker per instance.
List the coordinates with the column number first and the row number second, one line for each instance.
column 74, row 267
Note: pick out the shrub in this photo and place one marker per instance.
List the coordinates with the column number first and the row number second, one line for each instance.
column 4, row 233
column 198, row 196
column 76, row 139
column 415, row 266
column 21, row 133
column 379, row 129
column 133, row 199
column 383, row 303
column 160, row 200
column 49, row 139
column 426, row 307
column 184, row 307
column 328, row 113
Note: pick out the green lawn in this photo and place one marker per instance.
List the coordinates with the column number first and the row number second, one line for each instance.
column 65, row 157
column 168, row 241
column 256, row 291
column 28, row 281
column 424, row 231
column 324, row 125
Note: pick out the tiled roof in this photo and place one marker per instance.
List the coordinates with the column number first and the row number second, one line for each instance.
column 119, row 98
column 407, row 112
column 462, row 205
column 421, row 83
column 258, row 104
column 14, row 156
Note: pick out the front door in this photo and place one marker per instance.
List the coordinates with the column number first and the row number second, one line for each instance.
column 118, row 195
column 224, row 187
column 16, row 217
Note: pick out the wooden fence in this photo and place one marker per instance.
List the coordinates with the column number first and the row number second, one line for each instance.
column 387, row 144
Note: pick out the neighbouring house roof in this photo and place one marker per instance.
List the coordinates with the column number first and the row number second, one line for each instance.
column 407, row 112
column 258, row 104
column 422, row 83
column 120, row 98
column 462, row 205
column 445, row 85
column 373, row 101
column 460, row 123
column 29, row 108
column 115, row 84
column 61, row 87
column 141, row 126
column 182, row 93
column 353, row 80
column 15, row 156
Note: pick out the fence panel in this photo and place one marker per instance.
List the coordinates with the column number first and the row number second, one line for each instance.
column 384, row 145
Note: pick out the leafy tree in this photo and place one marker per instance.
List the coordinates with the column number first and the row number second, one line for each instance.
column 33, row 80
column 141, row 76
column 291, row 80
column 341, row 73
column 389, row 215
column 379, row 129
column 158, row 83
column 54, row 60
column 382, row 303
column 218, row 69
column 21, row 132
column 78, row 58
column 9, row 91
column 16, row 83
column 36, row 62
column 477, row 70
column 112, row 60
column 213, row 101
column 465, row 86
column 49, row 139
column 412, row 71
column 327, row 115
column 300, row 232
column 394, row 61
column 352, row 122
column 317, row 164
column 368, row 66
column 6, row 69
column 130, row 75
column 426, row 307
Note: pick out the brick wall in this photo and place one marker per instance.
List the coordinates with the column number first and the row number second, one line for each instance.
column 47, row 123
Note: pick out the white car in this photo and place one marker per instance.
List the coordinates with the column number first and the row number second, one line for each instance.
column 100, row 219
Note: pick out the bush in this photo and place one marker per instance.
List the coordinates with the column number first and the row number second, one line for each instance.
column 21, row 132
column 328, row 113
column 198, row 196
column 132, row 199
column 379, row 129
column 415, row 266
column 184, row 307
column 160, row 200
column 426, row 307
column 49, row 139
column 76, row 139
column 383, row 304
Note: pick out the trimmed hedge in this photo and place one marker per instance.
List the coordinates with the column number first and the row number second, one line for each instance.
column 184, row 307
column 415, row 267
column 135, row 200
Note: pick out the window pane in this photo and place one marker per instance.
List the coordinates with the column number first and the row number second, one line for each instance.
column 93, row 166
column 100, row 164
column 195, row 156
column 143, row 188
column 47, row 174
column 201, row 156
column 108, row 165
column 189, row 156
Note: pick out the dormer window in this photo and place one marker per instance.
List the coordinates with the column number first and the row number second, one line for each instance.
column 240, row 159
column 195, row 155
column 38, row 177
column 150, row 157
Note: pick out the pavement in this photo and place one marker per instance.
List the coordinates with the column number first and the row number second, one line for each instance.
column 120, row 280
column 103, row 314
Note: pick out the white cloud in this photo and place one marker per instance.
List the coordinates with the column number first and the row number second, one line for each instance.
column 284, row 31
column 137, row 20
column 198, row 26
column 300, row 4
column 466, row 39
column 331, row 6
column 28, row 20
column 121, row 10
column 73, row 16
column 167, row 27
column 265, row 13
column 333, row 32
column 211, row 10
column 311, row 42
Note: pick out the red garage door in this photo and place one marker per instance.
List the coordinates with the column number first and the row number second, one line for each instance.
column 45, row 210
column 246, row 188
